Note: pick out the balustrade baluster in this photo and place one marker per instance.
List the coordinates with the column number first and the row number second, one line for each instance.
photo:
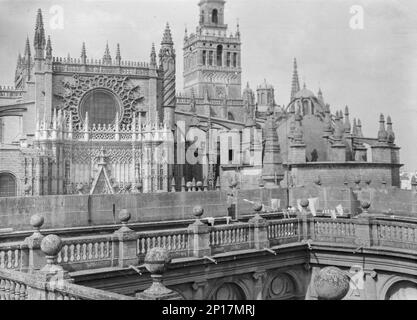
column 2, row 289
column 90, row 251
column 12, row 288
column 7, row 290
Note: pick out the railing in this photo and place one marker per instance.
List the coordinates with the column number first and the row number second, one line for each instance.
column 79, row 253
column 176, row 242
column 16, row 285
column 395, row 234
column 126, row 247
column 229, row 237
column 283, row 231
column 12, row 255
column 333, row 230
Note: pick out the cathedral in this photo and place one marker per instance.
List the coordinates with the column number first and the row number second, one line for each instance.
column 93, row 126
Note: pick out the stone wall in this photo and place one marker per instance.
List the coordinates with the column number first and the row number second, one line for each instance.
column 388, row 200
column 82, row 210
column 336, row 174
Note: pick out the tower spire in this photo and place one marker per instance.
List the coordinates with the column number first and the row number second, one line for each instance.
column 153, row 56
column 49, row 48
column 167, row 39
column 39, row 39
column 118, row 56
column 83, row 54
column 107, row 56
column 295, row 86
column 27, row 53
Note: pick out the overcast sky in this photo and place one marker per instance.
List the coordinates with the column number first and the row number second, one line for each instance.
column 372, row 70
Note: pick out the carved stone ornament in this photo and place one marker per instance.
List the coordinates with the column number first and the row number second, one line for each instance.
column 75, row 90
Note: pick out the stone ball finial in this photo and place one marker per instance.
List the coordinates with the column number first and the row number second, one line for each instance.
column 198, row 211
column 317, row 180
column 124, row 216
column 233, row 183
column 331, row 283
column 189, row 184
column 156, row 260
column 51, row 245
column 199, row 184
column 304, row 203
column 365, row 205
column 36, row 221
column 257, row 207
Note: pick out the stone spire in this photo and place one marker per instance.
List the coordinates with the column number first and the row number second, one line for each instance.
column 83, row 54
column 382, row 133
column 347, row 125
column 391, row 135
column 39, row 40
column 339, row 130
column 27, row 53
column 320, row 95
column 107, row 56
column 354, row 128
column 295, row 86
column 49, row 49
column 118, row 56
column 359, row 129
column 167, row 39
column 153, row 56
column 298, row 132
column 272, row 171
column 328, row 129
column 237, row 30
column 185, row 35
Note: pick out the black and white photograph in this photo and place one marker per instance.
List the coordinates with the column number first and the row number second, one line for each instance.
column 217, row 151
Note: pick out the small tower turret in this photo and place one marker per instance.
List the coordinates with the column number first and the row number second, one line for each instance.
column 118, row 56
column 83, row 54
column 295, row 85
column 107, row 56
column 168, row 68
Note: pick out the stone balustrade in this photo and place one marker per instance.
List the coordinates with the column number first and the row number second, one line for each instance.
column 127, row 247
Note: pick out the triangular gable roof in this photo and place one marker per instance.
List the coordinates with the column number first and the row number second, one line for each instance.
column 102, row 184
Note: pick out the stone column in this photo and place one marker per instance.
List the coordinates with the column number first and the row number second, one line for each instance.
column 156, row 262
column 370, row 291
column 127, row 239
column 198, row 288
column 258, row 229
column 199, row 238
column 259, row 283
column 35, row 258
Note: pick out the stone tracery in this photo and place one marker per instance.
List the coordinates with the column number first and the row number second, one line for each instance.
column 130, row 96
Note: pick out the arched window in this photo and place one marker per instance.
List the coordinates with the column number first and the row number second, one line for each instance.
column 101, row 105
column 230, row 116
column 235, row 60
column 8, row 186
column 210, row 60
column 204, row 57
column 215, row 16
column 219, row 55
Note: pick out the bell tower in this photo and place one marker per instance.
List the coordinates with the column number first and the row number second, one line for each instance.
column 212, row 55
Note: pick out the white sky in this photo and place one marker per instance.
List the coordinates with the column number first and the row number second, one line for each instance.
column 372, row 70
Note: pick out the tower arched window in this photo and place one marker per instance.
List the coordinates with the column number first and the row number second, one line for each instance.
column 219, row 55
column 235, row 59
column 8, row 185
column 210, row 59
column 204, row 57
column 228, row 59
column 230, row 116
column 215, row 16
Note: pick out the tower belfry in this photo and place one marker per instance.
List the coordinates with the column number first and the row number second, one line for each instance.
column 212, row 55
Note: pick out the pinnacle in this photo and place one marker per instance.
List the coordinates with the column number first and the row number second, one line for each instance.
column 167, row 39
